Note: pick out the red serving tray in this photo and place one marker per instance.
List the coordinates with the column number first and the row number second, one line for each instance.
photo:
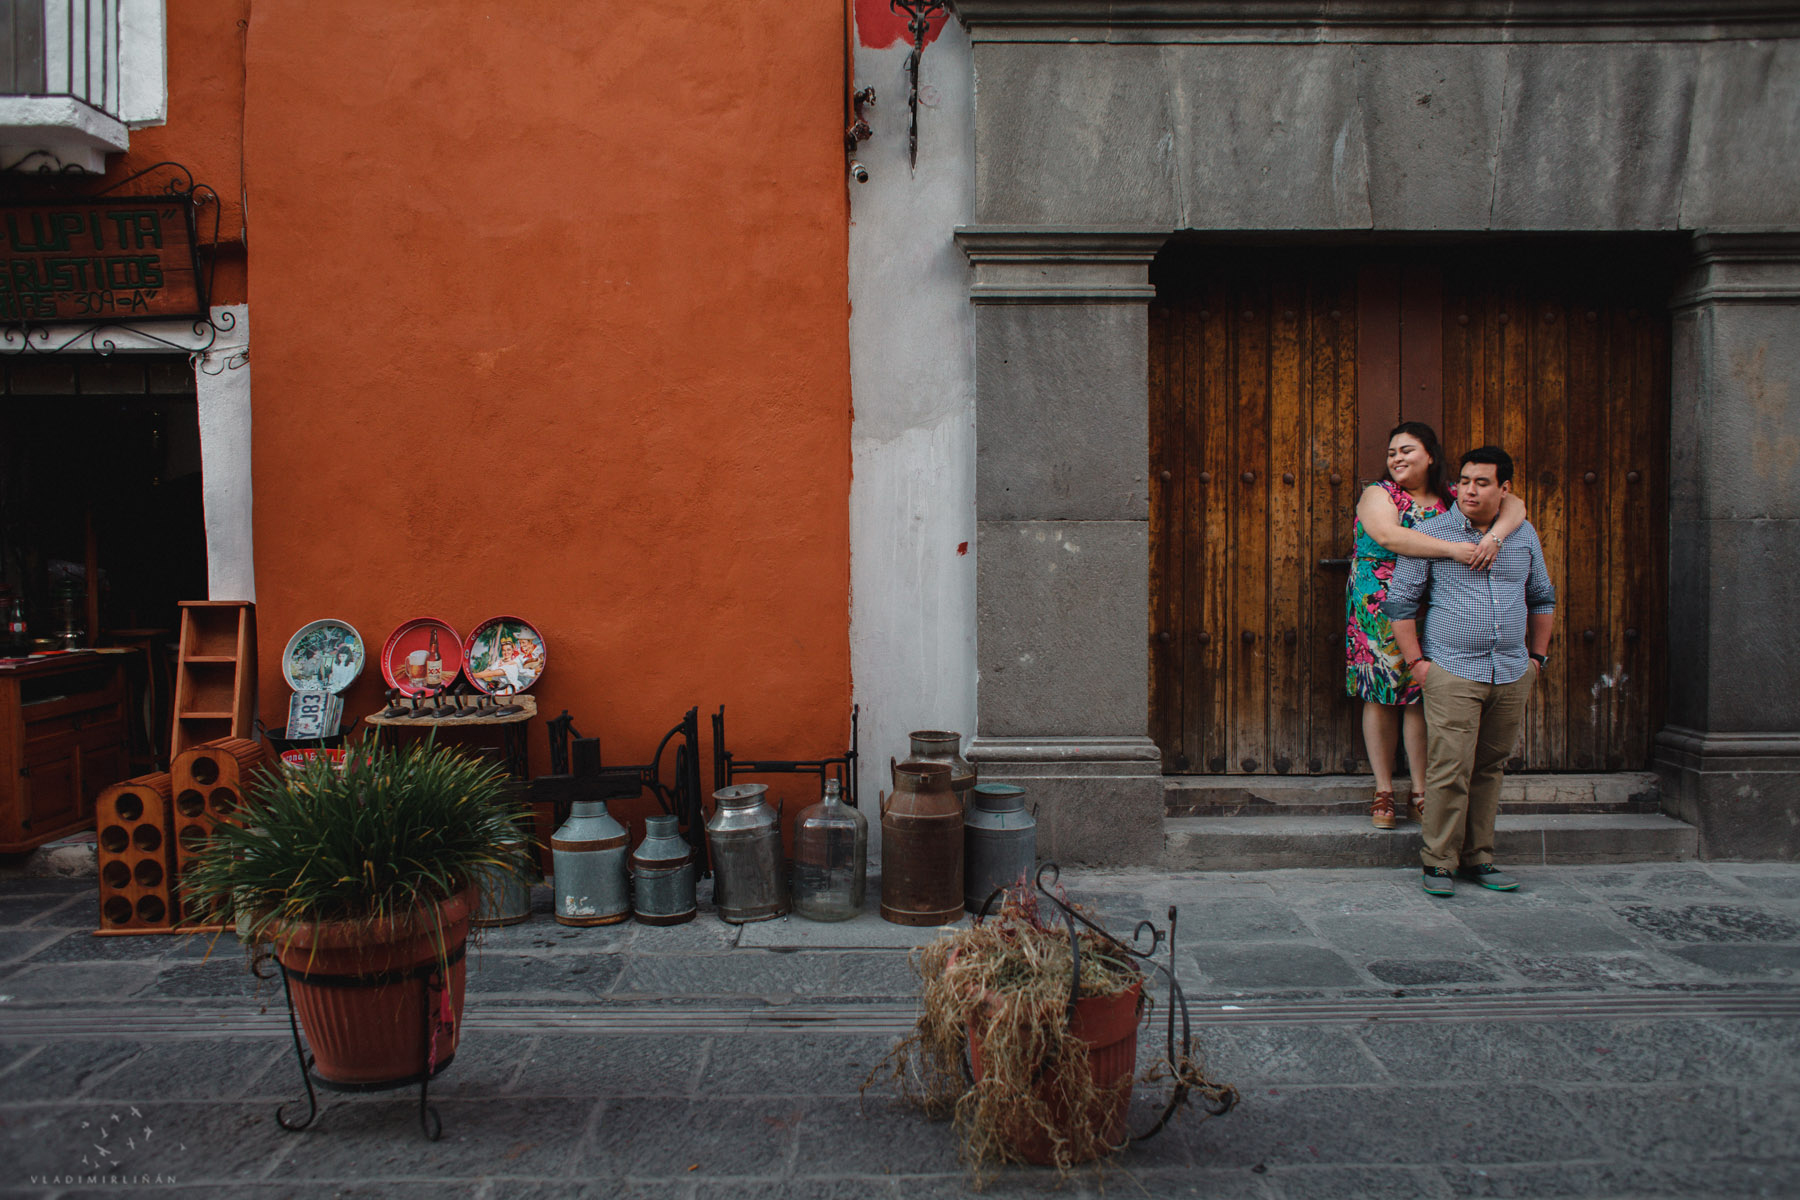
column 412, row 637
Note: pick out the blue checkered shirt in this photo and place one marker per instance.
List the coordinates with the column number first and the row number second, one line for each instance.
column 1474, row 623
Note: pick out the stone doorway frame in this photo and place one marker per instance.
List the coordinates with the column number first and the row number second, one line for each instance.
column 1062, row 459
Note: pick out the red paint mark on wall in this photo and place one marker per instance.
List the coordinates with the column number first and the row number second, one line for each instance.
column 879, row 26
column 962, row 547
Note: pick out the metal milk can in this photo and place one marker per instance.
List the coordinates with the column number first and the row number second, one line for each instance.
column 942, row 746
column 505, row 898
column 587, row 857
column 999, row 842
column 831, row 858
column 749, row 875
column 662, row 874
column 921, row 847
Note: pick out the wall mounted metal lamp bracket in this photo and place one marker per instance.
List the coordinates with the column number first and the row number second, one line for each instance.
column 919, row 14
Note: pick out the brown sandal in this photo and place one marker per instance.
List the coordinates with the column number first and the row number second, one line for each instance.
column 1381, row 813
column 1415, row 807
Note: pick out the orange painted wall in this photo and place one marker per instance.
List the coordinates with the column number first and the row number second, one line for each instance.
column 205, row 126
column 548, row 317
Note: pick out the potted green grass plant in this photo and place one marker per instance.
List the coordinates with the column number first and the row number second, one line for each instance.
column 361, row 879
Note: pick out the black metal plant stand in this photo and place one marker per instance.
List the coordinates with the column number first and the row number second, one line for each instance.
column 1220, row 1098
column 434, row 975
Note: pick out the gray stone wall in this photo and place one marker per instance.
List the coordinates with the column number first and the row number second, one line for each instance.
column 1062, row 520
column 1730, row 756
column 1482, row 136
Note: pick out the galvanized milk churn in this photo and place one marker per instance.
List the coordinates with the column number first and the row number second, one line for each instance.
column 999, row 844
column 588, row 857
column 749, row 877
column 831, row 858
column 662, row 874
column 943, row 746
column 504, row 898
column 921, row 847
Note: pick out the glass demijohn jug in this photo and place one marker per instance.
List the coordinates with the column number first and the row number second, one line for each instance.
column 831, row 858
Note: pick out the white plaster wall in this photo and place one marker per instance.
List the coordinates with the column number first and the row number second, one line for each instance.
column 222, row 387
column 143, row 63
column 912, row 375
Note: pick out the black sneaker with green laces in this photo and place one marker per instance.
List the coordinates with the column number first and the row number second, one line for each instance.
column 1439, row 882
column 1489, row 876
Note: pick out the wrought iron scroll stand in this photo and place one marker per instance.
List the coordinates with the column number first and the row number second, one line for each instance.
column 20, row 337
column 1227, row 1097
column 726, row 767
column 680, row 799
column 433, row 973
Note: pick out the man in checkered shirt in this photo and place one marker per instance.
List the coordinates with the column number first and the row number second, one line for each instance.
column 1486, row 638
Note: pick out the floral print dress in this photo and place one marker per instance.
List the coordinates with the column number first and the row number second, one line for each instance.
column 1375, row 670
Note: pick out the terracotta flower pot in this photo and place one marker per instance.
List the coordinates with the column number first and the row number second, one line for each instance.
column 1109, row 1026
column 371, row 999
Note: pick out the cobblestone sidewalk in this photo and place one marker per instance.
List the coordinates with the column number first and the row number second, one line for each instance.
column 1606, row 1031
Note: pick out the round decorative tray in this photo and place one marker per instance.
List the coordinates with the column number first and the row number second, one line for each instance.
column 407, row 663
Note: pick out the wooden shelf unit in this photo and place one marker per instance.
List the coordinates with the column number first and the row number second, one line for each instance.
column 215, row 673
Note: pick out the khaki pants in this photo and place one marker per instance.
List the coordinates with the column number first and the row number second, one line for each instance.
column 1470, row 729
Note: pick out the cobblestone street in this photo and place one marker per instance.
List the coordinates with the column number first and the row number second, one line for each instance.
column 1606, row 1031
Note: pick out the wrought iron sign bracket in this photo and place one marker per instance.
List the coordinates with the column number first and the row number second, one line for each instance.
column 919, row 14
column 19, row 337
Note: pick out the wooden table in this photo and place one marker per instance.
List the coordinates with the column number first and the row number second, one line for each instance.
column 63, row 739
column 511, row 727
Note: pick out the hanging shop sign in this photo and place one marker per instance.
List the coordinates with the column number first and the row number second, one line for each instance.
column 101, row 259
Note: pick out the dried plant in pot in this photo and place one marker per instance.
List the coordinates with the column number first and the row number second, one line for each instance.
column 1027, row 1034
column 360, row 879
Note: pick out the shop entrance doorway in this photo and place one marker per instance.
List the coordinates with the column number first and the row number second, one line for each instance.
column 1275, row 376
column 101, row 526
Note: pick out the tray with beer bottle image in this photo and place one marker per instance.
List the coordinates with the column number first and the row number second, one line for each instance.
column 423, row 657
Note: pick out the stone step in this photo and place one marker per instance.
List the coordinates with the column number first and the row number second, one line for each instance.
column 1347, row 795
column 1521, row 839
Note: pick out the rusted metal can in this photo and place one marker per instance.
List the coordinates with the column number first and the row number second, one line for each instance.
column 943, row 746
column 999, row 842
column 921, row 847
column 749, row 872
column 587, row 856
column 662, row 874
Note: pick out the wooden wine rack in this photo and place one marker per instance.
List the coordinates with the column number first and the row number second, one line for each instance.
column 208, row 783
column 136, row 856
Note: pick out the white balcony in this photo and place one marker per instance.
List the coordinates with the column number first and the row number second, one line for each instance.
column 76, row 76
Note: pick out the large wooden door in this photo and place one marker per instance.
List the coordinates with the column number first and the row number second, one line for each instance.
column 1569, row 371
column 1274, row 379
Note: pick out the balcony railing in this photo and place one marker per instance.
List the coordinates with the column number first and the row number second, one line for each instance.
column 62, row 48
column 76, row 76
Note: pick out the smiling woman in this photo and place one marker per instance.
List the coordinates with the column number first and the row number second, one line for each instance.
column 1413, row 492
